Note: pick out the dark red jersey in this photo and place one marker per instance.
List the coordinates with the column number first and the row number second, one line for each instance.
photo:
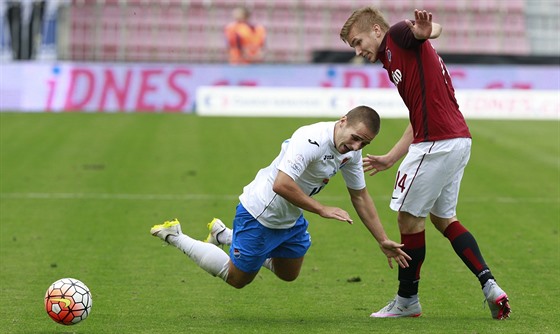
column 424, row 85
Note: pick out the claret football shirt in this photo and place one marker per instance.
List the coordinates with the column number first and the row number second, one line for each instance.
column 424, row 85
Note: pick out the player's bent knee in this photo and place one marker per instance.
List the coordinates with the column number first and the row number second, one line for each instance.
column 441, row 223
column 239, row 279
column 287, row 269
column 288, row 277
column 237, row 283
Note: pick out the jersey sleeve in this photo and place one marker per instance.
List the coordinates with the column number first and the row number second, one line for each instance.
column 298, row 154
column 403, row 36
column 353, row 172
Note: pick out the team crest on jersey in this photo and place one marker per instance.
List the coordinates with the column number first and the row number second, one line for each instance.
column 388, row 52
column 236, row 253
column 344, row 161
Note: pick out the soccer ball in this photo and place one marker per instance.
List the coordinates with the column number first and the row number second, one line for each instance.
column 68, row 301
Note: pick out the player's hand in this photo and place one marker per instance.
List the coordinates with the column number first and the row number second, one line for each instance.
column 393, row 251
column 376, row 163
column 336, row 213
column 422, row 27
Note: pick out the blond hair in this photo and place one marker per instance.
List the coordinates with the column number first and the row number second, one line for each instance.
column 363, row 20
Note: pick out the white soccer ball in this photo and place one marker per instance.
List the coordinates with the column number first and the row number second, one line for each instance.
column 68, row 301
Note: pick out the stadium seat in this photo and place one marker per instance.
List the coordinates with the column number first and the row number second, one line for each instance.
column 461, row 6
column 486, row 21
column 199, row 15
column 314, row 5
column 83, row 25
column 515, row 6
column 314, row 21
column 192, row 30
column 258, row 4
column 434, row 6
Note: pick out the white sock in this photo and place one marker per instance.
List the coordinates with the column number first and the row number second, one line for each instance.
column 268, row 264
column 224, row 237
column 207, row 256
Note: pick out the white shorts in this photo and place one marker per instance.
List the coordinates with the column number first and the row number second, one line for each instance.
column 429, row 178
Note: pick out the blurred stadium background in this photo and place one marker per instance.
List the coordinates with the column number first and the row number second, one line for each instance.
column 71, row 39
column 192, row 30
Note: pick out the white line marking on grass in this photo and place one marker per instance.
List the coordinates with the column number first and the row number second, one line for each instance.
column 134, row 197
column 225, row 197
column 508, row 200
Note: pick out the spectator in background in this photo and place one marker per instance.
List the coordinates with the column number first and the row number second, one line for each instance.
column 245, row 40
column 24, row 21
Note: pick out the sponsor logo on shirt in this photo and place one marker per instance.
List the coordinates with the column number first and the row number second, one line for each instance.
column 328, row 157
column 396, row 76
column 296, row 165
column 313, row 142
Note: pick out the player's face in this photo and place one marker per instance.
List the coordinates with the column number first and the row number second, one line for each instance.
column 352, row 137
column 366, row 43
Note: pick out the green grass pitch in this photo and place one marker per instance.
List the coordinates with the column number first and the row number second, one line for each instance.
column 79, row 193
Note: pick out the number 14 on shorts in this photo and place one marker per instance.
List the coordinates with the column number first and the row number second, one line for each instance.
column 400, row 181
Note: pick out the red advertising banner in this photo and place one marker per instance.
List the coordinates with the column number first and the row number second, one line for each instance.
column 140, row 87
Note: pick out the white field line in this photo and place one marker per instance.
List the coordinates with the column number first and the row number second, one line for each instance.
column 226, row 197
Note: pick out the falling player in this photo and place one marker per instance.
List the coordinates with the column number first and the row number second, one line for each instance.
column 269, row 228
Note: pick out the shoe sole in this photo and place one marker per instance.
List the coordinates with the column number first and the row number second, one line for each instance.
column 158, row 228
column 503, row 304
column 373, row 315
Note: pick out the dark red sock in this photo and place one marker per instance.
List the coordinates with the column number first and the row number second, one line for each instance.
column 465, row 246
column 415, row 247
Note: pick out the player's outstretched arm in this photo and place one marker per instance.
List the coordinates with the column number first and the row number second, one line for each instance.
column 362, row 202
column 286, row 187
column 377, row 163
column 423, row 27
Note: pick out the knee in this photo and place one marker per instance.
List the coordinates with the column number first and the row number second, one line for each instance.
column 409, row 224
column 441, row 224
column 288, row 277
column 238, row 285
column 239, row 281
